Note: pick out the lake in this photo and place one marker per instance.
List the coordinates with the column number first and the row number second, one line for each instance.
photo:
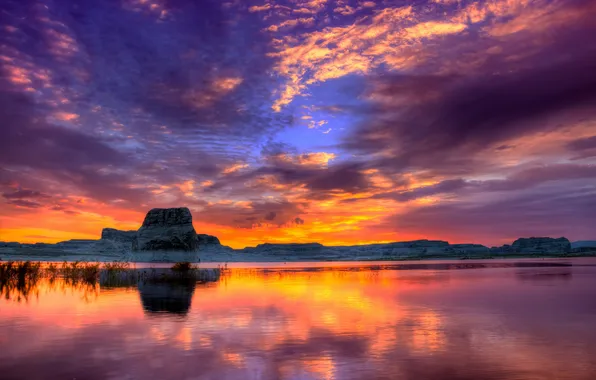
column 497, row 319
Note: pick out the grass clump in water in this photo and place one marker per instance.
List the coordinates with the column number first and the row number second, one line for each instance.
column 116, row 266
column 52, row 270
column 78, row 271
column 183, row 266
column 19, row 279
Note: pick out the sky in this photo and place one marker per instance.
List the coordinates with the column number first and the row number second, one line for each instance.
column 332, row 121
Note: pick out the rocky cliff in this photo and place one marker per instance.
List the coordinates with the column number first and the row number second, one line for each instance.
column 203, row 239
column 166, row 229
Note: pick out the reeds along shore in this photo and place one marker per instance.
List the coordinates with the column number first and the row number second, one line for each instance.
column 19, row 278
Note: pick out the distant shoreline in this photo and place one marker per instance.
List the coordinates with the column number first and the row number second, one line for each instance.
column 117, row 246
column 258, row 258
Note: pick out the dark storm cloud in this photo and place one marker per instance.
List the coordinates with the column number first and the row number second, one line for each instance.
column 250, row 214
column 281, row 162
column 321, row 181
column 583, row 148
column 67, row 155
column 70, row 157
column 537, row 175
column 270, row 215
column 25, row 193
column 520, row 180
column 26, row 139
column 24, row 203
column 273, row 149
column 551, row 209
column 447, row 186
column 440, row 122
column 340, row 177
column 586, row 143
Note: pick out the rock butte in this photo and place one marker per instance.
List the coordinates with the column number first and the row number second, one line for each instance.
column 167, row 229
column 167, row 235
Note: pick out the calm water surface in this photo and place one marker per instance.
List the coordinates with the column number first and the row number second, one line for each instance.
column 346, row 321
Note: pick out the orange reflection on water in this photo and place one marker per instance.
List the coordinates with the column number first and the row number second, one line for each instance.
column 308, row 323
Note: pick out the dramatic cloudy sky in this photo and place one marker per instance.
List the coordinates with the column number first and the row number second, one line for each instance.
column 338, row 121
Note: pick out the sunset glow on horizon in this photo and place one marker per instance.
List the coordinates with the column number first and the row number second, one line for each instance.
column 341, row 122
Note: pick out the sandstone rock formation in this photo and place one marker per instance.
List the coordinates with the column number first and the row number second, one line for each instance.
column 535, row 245
column 118, row 235
column 203, row 239
column 166, row 229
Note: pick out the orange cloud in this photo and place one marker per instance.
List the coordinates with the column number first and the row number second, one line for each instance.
column 539, row 19
column 308, row 159
column 219, row 87
column 65, row 116
column 335, row 52
column 292, row 23
column 315, row 4
column 186, row 187
column 259, row 8
column 480, row 11
column 432, row 29
column 226, row 84
column 395, row 37
column 62, row 45
column 345, row 10
column 304, row 11
column 234, row 168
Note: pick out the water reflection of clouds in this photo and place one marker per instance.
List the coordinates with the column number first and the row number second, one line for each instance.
column 322, row 325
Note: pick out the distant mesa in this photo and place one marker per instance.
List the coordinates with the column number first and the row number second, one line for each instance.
column 10, row 244
column 583, row 246
column 117, row 235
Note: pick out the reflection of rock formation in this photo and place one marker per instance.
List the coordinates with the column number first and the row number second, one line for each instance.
column 165, row 290
column 169, row 297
